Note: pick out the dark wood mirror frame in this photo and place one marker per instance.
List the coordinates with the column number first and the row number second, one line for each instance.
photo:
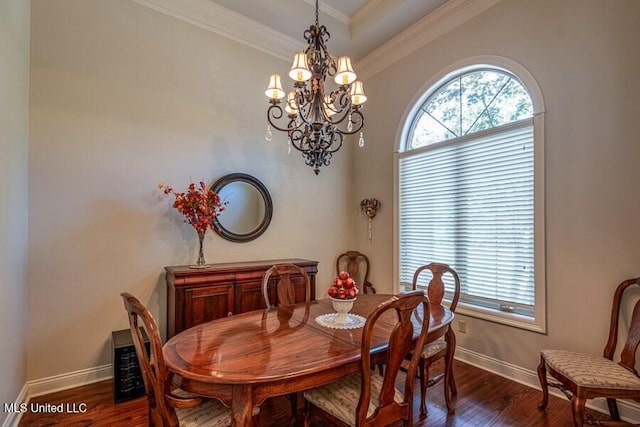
column 235, row 236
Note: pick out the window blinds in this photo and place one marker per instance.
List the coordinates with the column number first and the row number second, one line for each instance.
column 469, row 203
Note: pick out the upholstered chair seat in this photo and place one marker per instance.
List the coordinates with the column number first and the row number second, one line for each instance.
column 341, row 397
column 434, row 347
column 211, row 413
column 583, row 376
column 366, row 398
column 587, row 370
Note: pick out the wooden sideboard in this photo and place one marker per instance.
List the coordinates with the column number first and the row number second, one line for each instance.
column 196, row 295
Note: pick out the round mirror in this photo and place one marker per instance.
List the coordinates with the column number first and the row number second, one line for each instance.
column 249, row 208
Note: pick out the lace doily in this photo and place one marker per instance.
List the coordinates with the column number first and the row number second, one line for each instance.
column 353, row 321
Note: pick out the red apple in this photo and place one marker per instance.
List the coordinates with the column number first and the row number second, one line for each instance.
column 333, row 292
column 343, row 275
column 342, row 293
column 352, row 292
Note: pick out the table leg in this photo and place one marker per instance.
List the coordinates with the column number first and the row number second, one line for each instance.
column 242, row 406
column 449, row 384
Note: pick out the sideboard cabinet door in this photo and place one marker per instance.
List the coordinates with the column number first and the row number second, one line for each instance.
column 206, row 303
column 195, row 296
column 249, row 296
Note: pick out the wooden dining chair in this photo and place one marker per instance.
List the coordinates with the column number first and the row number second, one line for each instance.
column 285, row 293
column 168, row 407
column 285, row 289
column 357, row 265
column 368, row 398
column 583, row 376
column 443, row 346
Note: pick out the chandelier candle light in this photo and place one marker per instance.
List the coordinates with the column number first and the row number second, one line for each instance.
column 318, row 119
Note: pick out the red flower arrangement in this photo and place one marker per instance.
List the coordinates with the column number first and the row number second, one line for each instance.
column 198, row 205
column 344, row 287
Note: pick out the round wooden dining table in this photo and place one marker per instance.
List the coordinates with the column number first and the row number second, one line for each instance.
column 243, row 359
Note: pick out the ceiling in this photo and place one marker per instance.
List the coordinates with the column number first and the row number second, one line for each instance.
column 357, row 27
column 374, row 33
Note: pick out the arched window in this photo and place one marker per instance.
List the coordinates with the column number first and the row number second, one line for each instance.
column 467, row 174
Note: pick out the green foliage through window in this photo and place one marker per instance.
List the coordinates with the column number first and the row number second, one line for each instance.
column 470, row 103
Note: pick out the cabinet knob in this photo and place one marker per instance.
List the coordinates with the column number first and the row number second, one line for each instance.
column 229, row 314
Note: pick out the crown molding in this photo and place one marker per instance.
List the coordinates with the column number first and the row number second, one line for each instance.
column 212, row 17
column 439, row 22
column 227, row 23
column 370, row 8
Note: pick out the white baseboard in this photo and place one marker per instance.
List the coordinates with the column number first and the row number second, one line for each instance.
column 69, row 380
column 629, row 411
column 56, row 383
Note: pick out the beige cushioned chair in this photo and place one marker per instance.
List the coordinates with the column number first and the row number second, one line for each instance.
column 368, row 398
column 445, row 345
column 586, row 376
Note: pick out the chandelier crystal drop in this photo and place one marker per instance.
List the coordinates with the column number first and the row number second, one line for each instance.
column 268, row 136
column 317, row 118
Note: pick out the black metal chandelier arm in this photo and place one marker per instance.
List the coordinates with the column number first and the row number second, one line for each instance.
column 337, row 139
column 293, row 124
column 354, row 116
column 337, row 118
column 296, row 136
column 311, row 159
column 316, row 158
column 357, row 121
column 304, row 110
column 274, row 112
column 341, row 96
column 303, row 95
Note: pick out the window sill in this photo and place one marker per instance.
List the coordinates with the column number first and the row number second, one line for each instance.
column 508, row 319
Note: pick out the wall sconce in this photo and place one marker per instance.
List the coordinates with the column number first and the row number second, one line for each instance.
column 370, row 208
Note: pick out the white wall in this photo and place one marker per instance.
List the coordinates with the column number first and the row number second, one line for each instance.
column 14, row 186
column 124, row 97
column 585, row 57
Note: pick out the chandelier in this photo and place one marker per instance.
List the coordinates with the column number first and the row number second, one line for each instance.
column 317, row 118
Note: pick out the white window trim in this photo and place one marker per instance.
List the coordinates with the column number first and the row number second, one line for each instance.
column 539, row 323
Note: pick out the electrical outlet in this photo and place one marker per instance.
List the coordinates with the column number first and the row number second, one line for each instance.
column 462, row 327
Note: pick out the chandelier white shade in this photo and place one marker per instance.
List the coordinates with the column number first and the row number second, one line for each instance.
column 317, row 118
column 274, row 90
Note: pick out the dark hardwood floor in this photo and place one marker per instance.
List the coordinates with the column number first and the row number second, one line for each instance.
column 484, row 399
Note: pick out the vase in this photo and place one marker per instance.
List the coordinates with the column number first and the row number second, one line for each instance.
column 342, row 308
column 201, row 262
